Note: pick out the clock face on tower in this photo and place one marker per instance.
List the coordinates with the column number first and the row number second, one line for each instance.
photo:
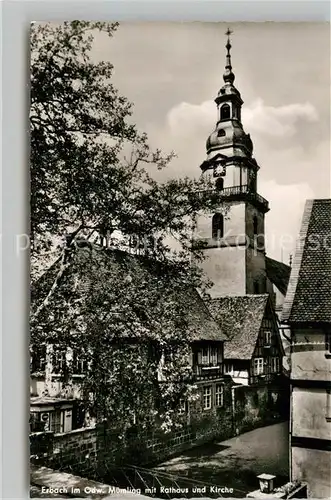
column 219, row 170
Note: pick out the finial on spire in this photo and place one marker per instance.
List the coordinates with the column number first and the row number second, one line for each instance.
column 228, row 75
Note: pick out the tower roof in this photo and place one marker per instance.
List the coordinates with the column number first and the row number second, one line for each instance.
column 228, row 75
column 229, row 135
column 228, row 89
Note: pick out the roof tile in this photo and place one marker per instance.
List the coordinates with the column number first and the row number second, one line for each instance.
column 309, row 293
column 240, row 320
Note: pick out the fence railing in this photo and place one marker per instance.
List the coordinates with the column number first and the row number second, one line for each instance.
column 238, row 191
column 161, row 484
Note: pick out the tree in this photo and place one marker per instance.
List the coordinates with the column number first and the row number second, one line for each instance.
column 91, row 188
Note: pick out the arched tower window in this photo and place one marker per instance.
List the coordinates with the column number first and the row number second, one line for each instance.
column 255, row 224
column 221, row 133
column 217, row 226
column 219, row 184
column 225, row 112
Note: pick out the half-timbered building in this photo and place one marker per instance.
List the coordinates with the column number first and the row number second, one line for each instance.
column 253, row 351
column 307, row 312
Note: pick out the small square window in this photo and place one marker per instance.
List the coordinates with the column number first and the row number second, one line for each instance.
column 182, row 407
column 228, row 368
column 275, row 365
column 58, row 359
column 38, row 358
column 258, row 366
column 79, row 363
column 219, row 395
column 213, row 356
column 205, row 356
column 267, row 337
column 207, row 398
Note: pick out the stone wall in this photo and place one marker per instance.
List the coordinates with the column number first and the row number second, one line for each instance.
column 259, row 406
column 74, row 451
column 93, row 452
column 312, row 466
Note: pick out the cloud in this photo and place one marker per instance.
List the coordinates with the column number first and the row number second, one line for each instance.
column 284, row 219
column 187, row 119
column 283, row 162
column 276, row 121
column 281, row 121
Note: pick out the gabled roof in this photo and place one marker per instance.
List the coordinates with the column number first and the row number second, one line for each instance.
column 278, row 273
column 240, row 319
column 143, row 274
column 308, row 297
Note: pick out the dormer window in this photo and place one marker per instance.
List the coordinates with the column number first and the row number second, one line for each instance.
column 205, row 356
column 209, row 356
column 217, row 226
column 267, row 334
column 221, row 133
column 225, row 112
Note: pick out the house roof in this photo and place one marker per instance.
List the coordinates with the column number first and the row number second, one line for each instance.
column 142, row 274
column 47, row 400
column 240, row 320
column 308, row 297
column 278, row 273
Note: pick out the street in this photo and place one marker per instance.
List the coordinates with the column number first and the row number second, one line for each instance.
column 236, row 462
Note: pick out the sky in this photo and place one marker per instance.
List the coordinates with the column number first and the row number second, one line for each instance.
column 173, row 71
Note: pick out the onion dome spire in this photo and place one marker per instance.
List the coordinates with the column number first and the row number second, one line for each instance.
column 228, row 76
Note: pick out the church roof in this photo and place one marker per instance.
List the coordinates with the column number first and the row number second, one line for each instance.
column 308, row 297
column 167, row 293
column 278, row 273
column 240, row 319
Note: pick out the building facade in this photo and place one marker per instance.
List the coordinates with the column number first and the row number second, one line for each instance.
column 234, row 236
column 234, row 246
column 307, row 312
column 253, row 353
column 57, row 373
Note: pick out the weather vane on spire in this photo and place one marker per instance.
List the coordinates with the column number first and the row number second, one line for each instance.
column 228, row 76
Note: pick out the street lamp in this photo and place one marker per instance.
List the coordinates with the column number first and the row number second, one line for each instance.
column 266, row 483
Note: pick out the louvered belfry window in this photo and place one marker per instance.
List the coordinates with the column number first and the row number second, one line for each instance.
column 225, row 112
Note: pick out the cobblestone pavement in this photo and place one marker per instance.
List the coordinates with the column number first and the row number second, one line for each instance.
column 235, row 463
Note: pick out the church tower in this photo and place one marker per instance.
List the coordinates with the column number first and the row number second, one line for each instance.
column 234, row 237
